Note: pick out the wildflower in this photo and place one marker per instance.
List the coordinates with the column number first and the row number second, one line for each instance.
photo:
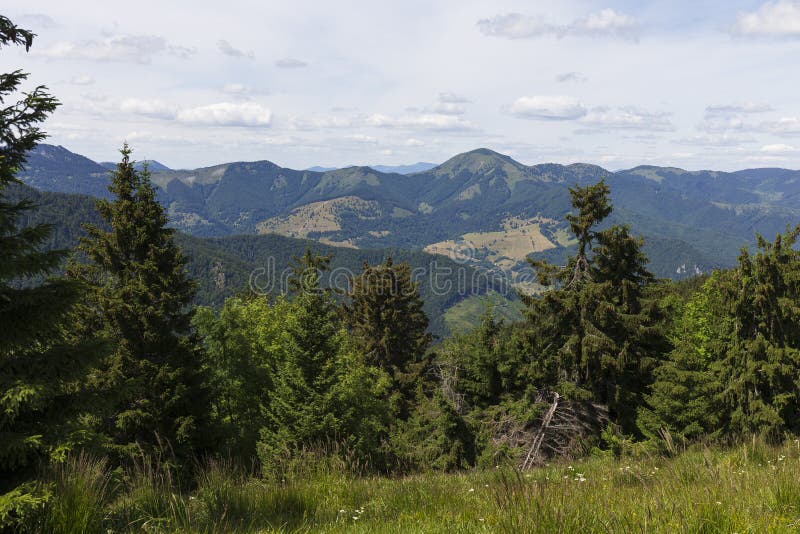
column 355, row 518
column 471, row 490
column 342, row 511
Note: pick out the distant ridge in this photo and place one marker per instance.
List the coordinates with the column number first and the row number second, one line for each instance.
column 482, row 206
column 398, row 169
column 420, row 166
column 152, row 165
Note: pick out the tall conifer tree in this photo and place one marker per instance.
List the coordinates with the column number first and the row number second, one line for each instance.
column 761, row 368
column 386, row 319
column 42, row 368
column 141, row 294
column 594, row 332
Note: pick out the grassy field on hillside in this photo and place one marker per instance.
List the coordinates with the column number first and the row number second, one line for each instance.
column 754, row 488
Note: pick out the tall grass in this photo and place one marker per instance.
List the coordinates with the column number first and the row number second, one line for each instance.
column 82, row 488
column 748, row 488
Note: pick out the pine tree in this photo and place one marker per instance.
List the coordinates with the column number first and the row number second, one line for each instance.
column 386, row 319
column 140, row 298
column 43, row 369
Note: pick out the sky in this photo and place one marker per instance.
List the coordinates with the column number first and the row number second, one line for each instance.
column 693, row 84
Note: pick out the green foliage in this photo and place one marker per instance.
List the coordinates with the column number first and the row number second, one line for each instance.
column 241, row 346
column 597, row 328
column 761, row 367
column 684, row 396
column 435, row 436
column 285, row 376
column 323, row 390
column 43, row 394
column 388, row 325
column 139, row 296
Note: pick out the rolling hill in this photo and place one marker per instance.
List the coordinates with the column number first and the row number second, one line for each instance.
column 225, row 266
column 481, row 207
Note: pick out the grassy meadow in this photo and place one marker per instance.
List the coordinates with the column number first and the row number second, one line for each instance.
column 753, row 488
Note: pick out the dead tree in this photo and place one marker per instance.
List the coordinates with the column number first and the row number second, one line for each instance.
column 557, row 433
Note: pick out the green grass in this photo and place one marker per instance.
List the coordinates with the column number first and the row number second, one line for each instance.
column 754, row 488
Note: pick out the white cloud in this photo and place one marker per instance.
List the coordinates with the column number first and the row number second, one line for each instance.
column 425, row 121
column 36, row 22
column 226, row 48
column 290, row 63
column 714, row 140
column 122, row 48
column 146, row 137
column 319, row 122
column 453, row 98
column 516, row 26
column 779, row 148
column 236, row 88
column 149, row 108
column 548, row 108
column 606, row 23
column 361, row 138
column 414, row 142
column 82, row 80
column 227, row 114
column 773, row 19
column 448, row 108
column 576, row 77
column 628, row 118
column 742, row 107
column 718, row 124
column 782, row 126
column 281, row 140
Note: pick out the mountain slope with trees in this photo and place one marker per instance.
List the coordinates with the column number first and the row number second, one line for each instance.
column 692, row 221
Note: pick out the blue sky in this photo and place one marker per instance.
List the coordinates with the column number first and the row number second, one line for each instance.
column 696, row 85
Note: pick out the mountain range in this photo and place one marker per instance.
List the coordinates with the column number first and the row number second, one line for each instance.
column 480, row 207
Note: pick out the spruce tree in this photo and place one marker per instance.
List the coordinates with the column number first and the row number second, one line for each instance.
column 684, row 396
column 323, row 392
column 594, row 334
column 386, row 320
column 43, row 369
column 761, row 368
column 318, row 319
column 140, row 297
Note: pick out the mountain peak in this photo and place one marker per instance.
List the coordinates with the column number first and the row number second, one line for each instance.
column 478, row 161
